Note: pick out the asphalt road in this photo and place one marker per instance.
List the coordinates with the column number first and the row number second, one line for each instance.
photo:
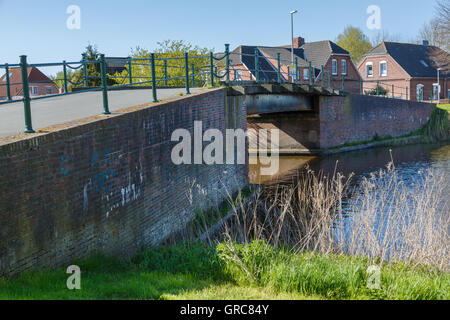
column 60, row 109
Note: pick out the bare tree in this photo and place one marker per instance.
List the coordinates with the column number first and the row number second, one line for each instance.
column 430, row 32
column 443, row 23
column 384, row 35
column 438, row 31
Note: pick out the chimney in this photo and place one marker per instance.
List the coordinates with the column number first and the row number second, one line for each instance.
column 298, row 42
column 426, row 43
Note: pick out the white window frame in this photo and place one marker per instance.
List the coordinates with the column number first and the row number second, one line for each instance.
column 306, row 74
column 344, row 64
column 385, row 63
column 435, row 91
column 334, row 67
column 238, row 75
column 420, row 98
column 367, row 70
column 34, row 90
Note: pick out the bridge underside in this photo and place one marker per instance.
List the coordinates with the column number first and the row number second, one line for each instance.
column 279, row 98
column 292, row 109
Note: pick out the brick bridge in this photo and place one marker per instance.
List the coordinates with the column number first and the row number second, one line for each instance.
column 107, row 183
column 312, row 119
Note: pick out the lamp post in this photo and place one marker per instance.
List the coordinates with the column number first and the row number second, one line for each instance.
column 439, row 86
column 292, row 36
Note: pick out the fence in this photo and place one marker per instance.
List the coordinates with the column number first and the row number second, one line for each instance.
column 186, row 71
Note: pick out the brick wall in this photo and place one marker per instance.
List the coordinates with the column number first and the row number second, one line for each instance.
column 357, row 118
column 108, row 185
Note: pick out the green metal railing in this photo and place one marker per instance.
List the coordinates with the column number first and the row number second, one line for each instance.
column 186, row 71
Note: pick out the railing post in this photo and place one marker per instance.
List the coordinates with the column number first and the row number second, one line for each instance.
column 378, row 87
column 152, row 62
column 360, row 86
column 406, row 92
column 130, row 70
column 166, row 84
column 193, row 74
column 296, row 71
column 104, row 84
column 227, row 60
column 310, row 74
column 343, row 83
column 85, row 73
column 393, row 92
column 278, row 68
column 8, row 88
column 65, row 76
column 211, row 68
column 186, row 68
column 323, row 76
column 330, row 85
column 256, row 65
column 26, row 94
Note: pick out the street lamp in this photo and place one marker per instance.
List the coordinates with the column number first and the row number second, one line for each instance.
column 439, row 86
column 292, row 36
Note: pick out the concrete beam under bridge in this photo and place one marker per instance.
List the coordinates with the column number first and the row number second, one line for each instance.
column 285, row 88
column 278, row 98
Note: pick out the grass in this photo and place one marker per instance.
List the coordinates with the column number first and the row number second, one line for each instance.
column 201, row 272
column 445, row 107
column 285, row 244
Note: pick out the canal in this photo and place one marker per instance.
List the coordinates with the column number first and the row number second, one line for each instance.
column 402, row 213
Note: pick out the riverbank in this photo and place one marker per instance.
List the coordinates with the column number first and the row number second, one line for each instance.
column 225, row 271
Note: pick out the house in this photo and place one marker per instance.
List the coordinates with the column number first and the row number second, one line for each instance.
column 38, row 83
column 411, row 70
column 336, row 62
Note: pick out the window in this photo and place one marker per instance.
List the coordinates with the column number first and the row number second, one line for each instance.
column 369, row 69
column 344, row 67
column 383, row 69
column 48, row 90
column 419, row 92
column 448, row 94
column 435, row 91
column 238, row 75
column 34, row 91
column 334, row 67
column 306, row 74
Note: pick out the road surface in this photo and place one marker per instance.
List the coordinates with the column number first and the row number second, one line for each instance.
column 60, row 109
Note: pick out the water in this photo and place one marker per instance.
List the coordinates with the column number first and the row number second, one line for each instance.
column 412, row 165
column 409, row 161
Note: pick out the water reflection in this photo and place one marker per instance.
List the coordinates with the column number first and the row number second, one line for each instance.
column 408, row 160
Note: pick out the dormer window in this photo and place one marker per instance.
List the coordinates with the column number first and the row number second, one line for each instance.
column 369, row 69
column 383, row 69
column 334, row 67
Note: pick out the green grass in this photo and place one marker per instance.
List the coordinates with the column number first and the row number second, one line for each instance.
column 253, row 271
column 445, row 107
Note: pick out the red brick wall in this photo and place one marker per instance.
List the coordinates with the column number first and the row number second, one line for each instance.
column 108, row 185
column 358, row 118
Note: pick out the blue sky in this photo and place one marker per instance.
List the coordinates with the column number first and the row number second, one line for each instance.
column 38, row 28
